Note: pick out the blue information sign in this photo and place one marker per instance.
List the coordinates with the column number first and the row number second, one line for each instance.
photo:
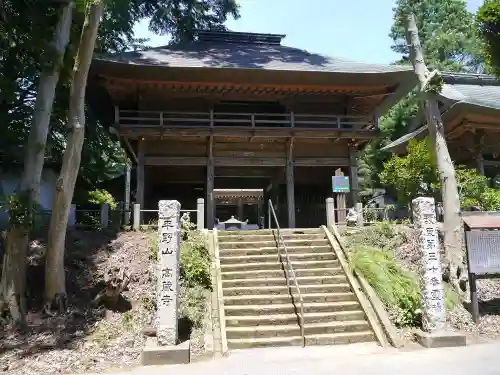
column 340, row 184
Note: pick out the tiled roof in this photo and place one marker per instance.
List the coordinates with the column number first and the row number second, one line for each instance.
column 479, row 90
column 217, row 54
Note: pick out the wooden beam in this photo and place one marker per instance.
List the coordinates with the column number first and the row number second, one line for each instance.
column 249, row 162
column 176, row 160
column 139, row 194
column 290, row 185
column 210, row 219
column 235, row 131
column 353, row 174
column 479, row 149
column 318, row 162
column 243, row 162
column 126, row 199
column 231, row 86
column 131, row 150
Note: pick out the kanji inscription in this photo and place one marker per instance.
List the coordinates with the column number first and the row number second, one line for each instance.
column 169, row 235
column 431, row 286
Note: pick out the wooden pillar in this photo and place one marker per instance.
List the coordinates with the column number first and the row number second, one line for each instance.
column 140, row 176
column 239, row 211
column 126, row 198
column 290, row 185
column 478, row 150
column 210, row 186
column 353, row 175
column 340, row 202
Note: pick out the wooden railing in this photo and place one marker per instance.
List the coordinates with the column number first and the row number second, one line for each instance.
column 128, row 118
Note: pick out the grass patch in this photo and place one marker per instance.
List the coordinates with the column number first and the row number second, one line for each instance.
column 372, row 256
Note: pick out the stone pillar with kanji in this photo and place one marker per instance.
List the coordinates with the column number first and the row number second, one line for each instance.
column 431, row 285
column 169, row 237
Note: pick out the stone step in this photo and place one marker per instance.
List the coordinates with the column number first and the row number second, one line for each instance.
column 294, row 329
column 323, row 339
column 283, row 289
column 274, row 273
column 315, row 317
column 269, row 237
column 276, row 265
column 262, row 299
column 272, row 243
column 260, row 232
column 268, row 281
column 240, row 259
column 289, row 308
column 273, row 250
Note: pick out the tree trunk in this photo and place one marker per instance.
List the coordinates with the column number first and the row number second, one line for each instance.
column 55, row 288
column 12, row 287
column 429, row 85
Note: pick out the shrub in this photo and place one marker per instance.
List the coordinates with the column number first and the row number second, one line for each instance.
column 195, row 261
column 101, row 196
column 397, row 288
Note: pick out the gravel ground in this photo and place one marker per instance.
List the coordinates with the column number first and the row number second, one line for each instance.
column 88, row 339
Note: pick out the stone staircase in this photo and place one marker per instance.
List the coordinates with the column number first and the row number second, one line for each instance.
column 261, row 310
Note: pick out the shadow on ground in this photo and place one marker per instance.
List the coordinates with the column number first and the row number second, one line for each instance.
column 488, row 307
column 85, row 250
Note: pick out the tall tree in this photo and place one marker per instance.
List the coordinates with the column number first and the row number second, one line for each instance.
column 429, row 85
column 55, row 286
column 22, row 207
column 447, row 34
column 450, row 42
column 181, row 18
column 488, row 23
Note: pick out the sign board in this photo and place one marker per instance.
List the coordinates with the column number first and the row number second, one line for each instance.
column 483, row 251
column 340, row 184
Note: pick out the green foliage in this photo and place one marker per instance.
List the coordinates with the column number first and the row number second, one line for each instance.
column 411, row 175
column 447, row 34
column 181, row 18
column 372, row 255
column 23, row 212
column 397, row 288
column 101, row 196
column 488, row 24
column 195, row 261
column 474, row 191
column 153, row 246
column 415, row 175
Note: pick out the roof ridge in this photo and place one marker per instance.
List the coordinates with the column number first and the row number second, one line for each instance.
column 470, row 78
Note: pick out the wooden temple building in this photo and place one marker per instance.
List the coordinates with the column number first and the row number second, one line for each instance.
column 242, row 111
column 470, row 108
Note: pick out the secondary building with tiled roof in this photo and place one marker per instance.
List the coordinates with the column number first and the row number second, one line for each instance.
column 470, row 108
column 243, row 111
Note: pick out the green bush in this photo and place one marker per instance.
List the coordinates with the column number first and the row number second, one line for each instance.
column 101, row 196
column 195, row 261
column 397, row 288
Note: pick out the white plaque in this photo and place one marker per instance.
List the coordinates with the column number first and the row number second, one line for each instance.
column 169, row 237
column 431, row 286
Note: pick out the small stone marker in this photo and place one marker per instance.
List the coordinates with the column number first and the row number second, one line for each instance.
column 433, row 332
column 169, row 237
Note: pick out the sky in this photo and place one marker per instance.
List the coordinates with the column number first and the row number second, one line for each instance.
column 351, row 29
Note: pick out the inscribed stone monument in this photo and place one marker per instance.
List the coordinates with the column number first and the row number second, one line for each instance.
column 432, row 293
column 169, row 236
